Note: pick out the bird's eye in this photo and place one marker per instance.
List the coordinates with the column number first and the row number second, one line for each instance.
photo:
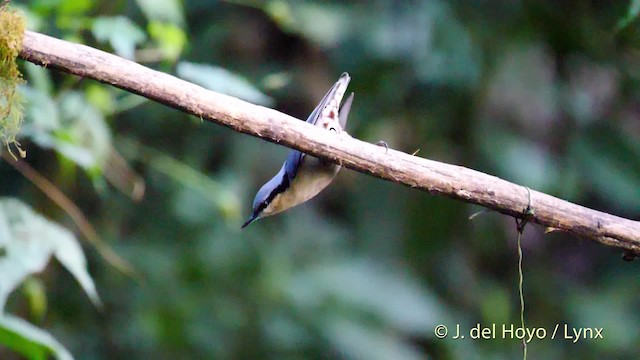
column 333, row 129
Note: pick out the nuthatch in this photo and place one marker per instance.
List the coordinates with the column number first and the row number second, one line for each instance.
column 303, row 176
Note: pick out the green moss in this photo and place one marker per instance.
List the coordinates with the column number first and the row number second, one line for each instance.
column 12, row 27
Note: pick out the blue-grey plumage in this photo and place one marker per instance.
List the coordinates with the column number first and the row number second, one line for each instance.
column 303, row 176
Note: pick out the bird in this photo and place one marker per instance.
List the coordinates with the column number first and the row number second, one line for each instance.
column 303, row 176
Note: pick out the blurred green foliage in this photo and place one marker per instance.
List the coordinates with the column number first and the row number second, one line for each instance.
column 28, row 242
column 542, row 93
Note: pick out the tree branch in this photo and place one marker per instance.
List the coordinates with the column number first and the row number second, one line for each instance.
column 450, row 180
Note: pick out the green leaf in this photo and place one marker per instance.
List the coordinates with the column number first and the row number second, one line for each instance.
column 632, row 15
column 611, row 161
column 69, row 252
column 171, row 38
column 71, row 126
column 29, row 241
column 122, row 34
column 35, row 292
column 326, row 24
column 29, row 340
column 403, row 303
column 74, row 7
column 609, row 310
column 41, row 116
column 359, row 341
column 85, row 137
column 223, row 81
column 197, row 190
column 520, row 160
column 165, row 11
column 101, row 97
column 39, row 77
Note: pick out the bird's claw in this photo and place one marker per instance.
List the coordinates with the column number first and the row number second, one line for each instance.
column 386, row 146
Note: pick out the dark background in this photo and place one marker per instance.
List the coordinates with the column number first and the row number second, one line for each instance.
column 541, row 93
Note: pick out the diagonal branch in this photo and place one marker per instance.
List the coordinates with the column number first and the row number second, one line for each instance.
column 449, row 180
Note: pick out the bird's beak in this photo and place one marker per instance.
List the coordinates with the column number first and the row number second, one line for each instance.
column 251, row 219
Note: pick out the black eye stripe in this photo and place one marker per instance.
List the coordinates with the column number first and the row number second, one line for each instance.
column 278, row 190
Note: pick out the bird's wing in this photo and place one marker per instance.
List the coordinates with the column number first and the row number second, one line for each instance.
column 292, row 164
column 295, row 158
column 336, row 92
column 344, row 111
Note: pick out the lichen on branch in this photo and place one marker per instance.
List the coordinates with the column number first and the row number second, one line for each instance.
column 12, row 27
